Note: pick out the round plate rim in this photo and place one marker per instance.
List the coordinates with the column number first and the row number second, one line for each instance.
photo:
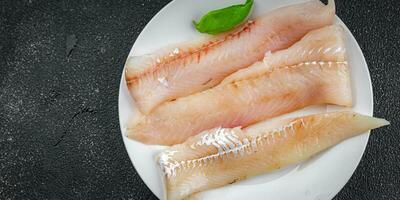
column 122, row 81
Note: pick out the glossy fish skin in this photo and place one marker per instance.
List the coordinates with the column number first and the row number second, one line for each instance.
column 222, row 156
column 188, row 68
column 258, row 92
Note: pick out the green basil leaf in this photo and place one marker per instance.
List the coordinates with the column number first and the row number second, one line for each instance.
column 225, row 19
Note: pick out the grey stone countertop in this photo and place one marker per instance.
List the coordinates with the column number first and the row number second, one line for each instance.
column 60, row 67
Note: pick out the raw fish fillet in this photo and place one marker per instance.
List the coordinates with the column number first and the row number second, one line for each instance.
column 250, row 96
column 191, row 67
column 324, row 45
column 222, row 156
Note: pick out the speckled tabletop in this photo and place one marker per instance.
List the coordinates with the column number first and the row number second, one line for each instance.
column 59, row 130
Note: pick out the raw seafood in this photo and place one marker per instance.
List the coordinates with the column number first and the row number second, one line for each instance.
column 222, row 156
column 188, row 68
column 250, row 96
column 324, row 45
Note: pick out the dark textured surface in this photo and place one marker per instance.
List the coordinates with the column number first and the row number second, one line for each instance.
column 59, row 131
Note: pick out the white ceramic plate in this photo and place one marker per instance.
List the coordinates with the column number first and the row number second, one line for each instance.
column 319, row 178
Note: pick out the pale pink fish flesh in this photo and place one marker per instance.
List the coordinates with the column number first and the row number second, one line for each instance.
column 253, row 95
column 321, row 45
column 191, row 67
column 222, row 156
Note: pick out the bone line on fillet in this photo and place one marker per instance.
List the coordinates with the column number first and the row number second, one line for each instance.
column 273, row 69
column 247, row 144
column 205, row 47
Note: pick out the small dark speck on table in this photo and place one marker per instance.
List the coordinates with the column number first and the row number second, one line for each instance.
column 71, row 43
column 60, row 67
